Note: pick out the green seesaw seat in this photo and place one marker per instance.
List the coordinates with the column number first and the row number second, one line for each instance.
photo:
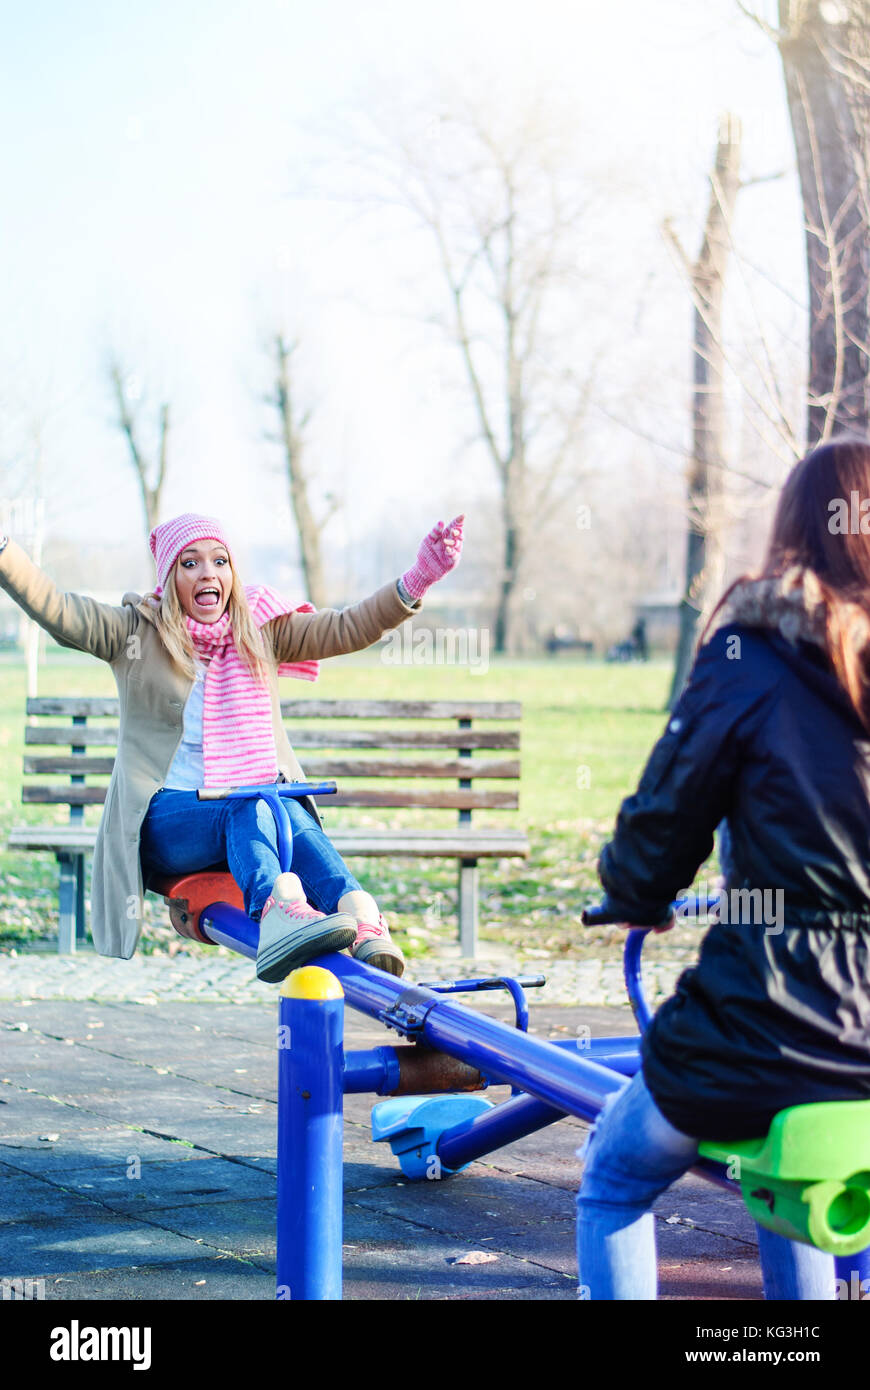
column 809, row 1177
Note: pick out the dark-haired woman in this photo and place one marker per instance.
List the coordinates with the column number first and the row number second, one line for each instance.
column 771, row 735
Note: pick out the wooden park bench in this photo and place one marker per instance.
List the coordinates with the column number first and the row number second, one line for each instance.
column 437, row 758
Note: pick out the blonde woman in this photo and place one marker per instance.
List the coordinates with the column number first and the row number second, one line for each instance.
column 196, row 663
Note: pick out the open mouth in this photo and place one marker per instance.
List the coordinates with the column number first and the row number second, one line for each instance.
column 207, row 598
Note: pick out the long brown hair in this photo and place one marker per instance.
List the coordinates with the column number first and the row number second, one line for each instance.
column 171, row 625
column 819, row 526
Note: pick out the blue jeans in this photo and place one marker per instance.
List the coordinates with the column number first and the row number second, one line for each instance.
column 633, row 1154
column 181, row 835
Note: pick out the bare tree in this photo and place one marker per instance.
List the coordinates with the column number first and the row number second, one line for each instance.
column 825, row 50
column 130, row 423
column 502, row 211
column 706, row 276
column 291, row 437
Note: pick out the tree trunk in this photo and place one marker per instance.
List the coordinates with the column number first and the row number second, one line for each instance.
column 825, row 52
column 308, row 527
column 707, row 277
column 505, row 627
column 129, row 426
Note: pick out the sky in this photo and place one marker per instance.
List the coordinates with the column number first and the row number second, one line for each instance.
column 153, row 203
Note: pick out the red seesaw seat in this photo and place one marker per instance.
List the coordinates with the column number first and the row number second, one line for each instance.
column 187, row 894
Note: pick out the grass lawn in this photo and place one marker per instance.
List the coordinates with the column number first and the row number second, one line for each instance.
column 587, row 730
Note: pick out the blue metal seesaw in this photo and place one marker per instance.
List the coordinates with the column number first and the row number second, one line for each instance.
column 806, row 1179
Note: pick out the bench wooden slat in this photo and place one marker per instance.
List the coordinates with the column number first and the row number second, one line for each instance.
column 63, row 796
column 93, row 707
column 447, row 800
column 401, row 709
column 404, row 738
column 379, row 739
column 395, row 767
column 68, row 795
column 431, row 844
column 485, row 843
column 314, row 767
column 73, row 763
column 50, row 735
column 73, row 838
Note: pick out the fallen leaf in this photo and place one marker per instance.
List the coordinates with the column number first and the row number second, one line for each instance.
column 475, row 1257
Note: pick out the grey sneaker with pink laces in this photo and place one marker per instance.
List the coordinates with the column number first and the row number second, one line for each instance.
column 374, row 946
column 293, row 932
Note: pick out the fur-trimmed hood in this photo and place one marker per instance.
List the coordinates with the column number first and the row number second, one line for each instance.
column 791, row 604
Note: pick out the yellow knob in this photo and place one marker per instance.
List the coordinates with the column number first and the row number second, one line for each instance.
column 312, row 982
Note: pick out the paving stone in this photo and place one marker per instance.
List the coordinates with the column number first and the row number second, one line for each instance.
column 245, row 1228
column 491, row 1211
column 26, row 1113
column 385, row 1258
column 100, row 1241
column 699, row 1204
column 247, row 1136
column 25, row 1198
column 196, row 1280
column 109, row 1146
column 154, row 1185
column 691, row 1279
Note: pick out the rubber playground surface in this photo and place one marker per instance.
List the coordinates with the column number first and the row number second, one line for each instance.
column 137, row 1161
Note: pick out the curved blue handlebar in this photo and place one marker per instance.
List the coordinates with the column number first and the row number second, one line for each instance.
column 604, row 913
column 633, row 978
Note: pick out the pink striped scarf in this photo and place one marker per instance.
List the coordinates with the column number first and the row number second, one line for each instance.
column 238, row 742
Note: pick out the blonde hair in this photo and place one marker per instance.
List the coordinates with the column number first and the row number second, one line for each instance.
column 172, row 627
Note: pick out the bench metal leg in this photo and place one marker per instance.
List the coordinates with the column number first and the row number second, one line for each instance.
column 66, row 928
column 468, row 893
column 81, row 930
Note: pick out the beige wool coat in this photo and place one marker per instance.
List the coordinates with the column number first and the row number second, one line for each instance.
column 152, row 695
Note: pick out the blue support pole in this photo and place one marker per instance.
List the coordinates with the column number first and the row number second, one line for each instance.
column 225, row 925
column 373, row 1069
column 310, row 1105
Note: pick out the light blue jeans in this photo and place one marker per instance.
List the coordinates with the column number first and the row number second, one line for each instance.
column 181, row 834
column 633, row 1154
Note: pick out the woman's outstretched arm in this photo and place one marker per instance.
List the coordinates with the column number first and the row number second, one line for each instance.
column 335, row 632
column 73, row 620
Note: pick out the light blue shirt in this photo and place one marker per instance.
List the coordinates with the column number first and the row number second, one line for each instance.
column 187, row 770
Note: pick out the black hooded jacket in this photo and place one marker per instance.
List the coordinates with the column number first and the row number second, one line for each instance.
column 777, row 1010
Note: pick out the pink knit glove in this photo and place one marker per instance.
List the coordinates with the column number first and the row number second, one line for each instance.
column 438, row 554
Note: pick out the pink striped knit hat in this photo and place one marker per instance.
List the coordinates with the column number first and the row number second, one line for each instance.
column 168, row 540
